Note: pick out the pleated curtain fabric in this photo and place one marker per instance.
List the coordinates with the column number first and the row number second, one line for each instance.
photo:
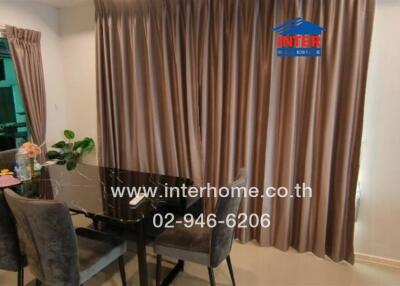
column 194, row 88
column 26, row 53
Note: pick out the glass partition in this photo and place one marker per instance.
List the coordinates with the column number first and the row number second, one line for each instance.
column 13, row 120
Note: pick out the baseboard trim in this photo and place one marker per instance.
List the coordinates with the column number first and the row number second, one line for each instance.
column 362, row 257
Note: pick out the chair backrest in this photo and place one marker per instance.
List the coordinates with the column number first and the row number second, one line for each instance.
column 9, row 249
column 47, row 238
column 222, row 235
column 7, row 159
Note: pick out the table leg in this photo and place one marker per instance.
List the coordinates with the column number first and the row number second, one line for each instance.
column 141, row 251
column 173, row 273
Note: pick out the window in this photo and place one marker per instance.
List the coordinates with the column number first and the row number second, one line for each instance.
column 13, row 119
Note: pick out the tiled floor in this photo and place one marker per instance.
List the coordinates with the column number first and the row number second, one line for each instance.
column 253, row 265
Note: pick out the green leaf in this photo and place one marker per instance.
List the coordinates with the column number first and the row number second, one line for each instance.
column 59, row 145
column 69, row 134
column 87, row 144
column 51, row 155
column 77, row 145
column 91, row 145
column 72, row 156
column 71, row 164
column 84, row 144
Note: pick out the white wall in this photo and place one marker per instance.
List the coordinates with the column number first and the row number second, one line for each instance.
column 79, row 55
column 378, row 226
column 45, row 19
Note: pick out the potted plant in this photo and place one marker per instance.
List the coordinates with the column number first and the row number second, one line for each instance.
column 68, row 151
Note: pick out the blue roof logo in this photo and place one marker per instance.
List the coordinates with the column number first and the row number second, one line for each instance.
column 298, row 37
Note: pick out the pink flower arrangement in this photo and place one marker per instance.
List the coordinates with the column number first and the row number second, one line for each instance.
column 32, row 149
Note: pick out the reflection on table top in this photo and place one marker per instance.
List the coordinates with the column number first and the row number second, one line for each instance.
column 87, row 189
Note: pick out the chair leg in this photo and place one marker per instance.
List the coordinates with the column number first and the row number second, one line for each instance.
column 122, row 269
column 228, row 260
column 182, row 265
column 95, row 224
column 211, row 276
column 158, row 270
column 20, row 276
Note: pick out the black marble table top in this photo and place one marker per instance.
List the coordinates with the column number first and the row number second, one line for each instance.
column 87, row 190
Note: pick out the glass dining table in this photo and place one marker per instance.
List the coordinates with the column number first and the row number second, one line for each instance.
column 90, row 190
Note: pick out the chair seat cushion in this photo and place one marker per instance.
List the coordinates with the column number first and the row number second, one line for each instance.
column 96, row 251
column 189, row 244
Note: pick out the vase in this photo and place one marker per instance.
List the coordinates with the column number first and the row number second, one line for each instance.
column 32, row 166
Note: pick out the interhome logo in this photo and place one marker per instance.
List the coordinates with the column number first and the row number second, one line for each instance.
column 299, row 38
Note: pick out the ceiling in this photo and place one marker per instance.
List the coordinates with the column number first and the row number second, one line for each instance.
column 62, row 3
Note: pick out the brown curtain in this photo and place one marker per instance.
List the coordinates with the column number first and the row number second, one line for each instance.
column 26, row 53
column 147, row 120
column 189, row 82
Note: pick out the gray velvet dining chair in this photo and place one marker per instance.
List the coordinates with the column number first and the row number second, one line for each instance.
column 10, row 256
column 57, row 254
column 203, row 245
